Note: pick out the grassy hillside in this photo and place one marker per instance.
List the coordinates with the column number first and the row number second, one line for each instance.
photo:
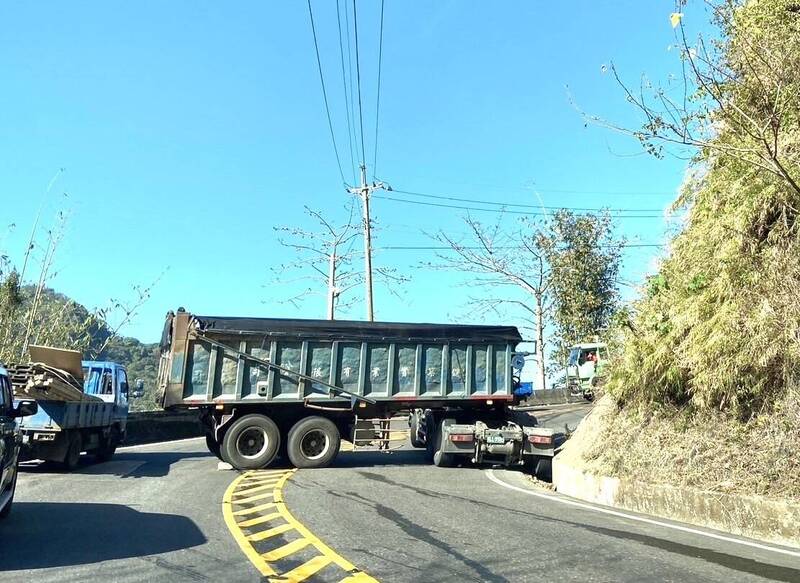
column 707, row 386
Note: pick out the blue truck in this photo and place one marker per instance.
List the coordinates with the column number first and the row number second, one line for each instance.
column 61, row 430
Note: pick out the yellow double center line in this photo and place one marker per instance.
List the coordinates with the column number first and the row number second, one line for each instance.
column 278, row 545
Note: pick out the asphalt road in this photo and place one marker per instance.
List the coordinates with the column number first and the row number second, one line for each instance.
column 154, row 513
column 150, row 514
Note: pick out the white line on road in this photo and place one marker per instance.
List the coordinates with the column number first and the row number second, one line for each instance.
column 568, row 502
column 174, row 441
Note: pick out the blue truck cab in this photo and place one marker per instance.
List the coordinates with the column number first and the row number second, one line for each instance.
column 61, row 430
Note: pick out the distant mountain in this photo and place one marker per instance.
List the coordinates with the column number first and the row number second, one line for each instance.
column 53, row 319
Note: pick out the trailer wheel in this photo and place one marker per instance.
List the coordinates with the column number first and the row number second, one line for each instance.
column 415, row 421
column 440, row 458
column 73, row 455
column 251, row 442
column 213, row 446
column 313, row 442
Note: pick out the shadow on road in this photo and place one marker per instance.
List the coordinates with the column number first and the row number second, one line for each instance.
column 38, row 535
column 125, row 464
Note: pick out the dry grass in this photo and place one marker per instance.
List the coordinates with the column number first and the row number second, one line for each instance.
column 702, row 450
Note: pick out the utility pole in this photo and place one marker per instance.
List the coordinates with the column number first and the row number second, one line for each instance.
column 365, row 191
column 332, row 293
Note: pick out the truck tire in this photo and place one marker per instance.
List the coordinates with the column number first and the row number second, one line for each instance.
column 106, row 451
column 251, row 442
column 213, row 446
column 440, row 458
column 544, row 469
column 430, row 435
column 313, row 443
column 415, row 421
column 73, row 455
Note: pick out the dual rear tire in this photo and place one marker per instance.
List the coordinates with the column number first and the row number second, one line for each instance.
column 254, row 442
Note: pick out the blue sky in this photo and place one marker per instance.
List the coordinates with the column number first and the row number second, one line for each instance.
column 188, row 130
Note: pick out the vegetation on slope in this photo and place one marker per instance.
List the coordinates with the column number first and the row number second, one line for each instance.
column 718, row 326
column 707, row 382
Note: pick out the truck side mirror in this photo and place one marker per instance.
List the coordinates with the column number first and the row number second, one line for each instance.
column 138, row 390
column 25, row 409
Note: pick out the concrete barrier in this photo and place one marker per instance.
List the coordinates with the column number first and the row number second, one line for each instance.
column 773, row 520
column 154, row 426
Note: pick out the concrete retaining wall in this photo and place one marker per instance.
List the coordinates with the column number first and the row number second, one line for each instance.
column 775, row 521
column 153, row 426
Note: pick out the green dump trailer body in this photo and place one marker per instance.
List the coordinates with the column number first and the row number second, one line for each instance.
column 221, row 360
column 274, row 377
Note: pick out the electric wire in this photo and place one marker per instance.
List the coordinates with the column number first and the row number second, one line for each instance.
column 493, row 210
column 520, row 205
column 351, row 103
column 324, row 92
column 477, row 247
column 378, row 99
column 358, row 83
column 347, row 99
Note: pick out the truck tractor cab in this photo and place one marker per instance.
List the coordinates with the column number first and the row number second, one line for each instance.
column 585, row 366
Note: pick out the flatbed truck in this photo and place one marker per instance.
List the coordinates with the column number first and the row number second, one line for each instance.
column 61, row 430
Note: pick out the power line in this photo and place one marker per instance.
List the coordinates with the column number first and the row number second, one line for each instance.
column 350, row 104
column 535, row 188
column 347, row 99
column 378, row 100
column 358, row 82
column 324, row 92
column 521, row 205
column 505, row 211
column 477, row 247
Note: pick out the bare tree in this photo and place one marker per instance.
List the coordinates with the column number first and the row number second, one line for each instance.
column 742, row 84
column 322, row 259
column 512, row 266
column 125, row 310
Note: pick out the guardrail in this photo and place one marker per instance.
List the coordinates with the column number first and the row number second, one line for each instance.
column 552, row 397
column 154, row 426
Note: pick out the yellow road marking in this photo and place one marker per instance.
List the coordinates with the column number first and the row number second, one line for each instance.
column 306, row 570
column 256, row 483
column 286, row 550
column 254, row 509
column 227, row 513
column 254, row 498
column 360, row 577
column 270, row 532
column 241, row 493
column 265, row 473
column 258, row 520
column 238, row 494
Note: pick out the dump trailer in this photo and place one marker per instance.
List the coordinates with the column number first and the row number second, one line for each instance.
column 62, row 429
column 266, row 387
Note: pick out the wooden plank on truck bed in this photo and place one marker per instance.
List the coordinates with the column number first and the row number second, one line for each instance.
column 68, row 360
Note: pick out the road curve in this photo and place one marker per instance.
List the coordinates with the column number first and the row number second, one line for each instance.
column 402, row 520
column 156, row 513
